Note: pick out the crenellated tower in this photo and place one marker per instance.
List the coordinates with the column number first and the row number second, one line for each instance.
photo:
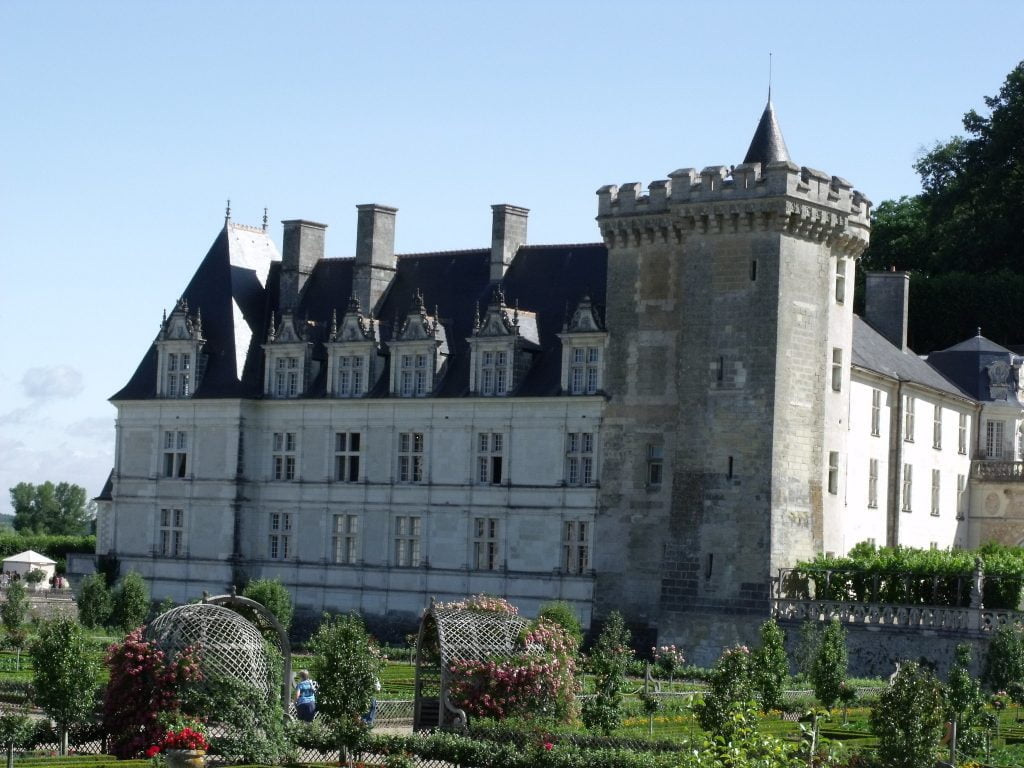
column 728, row 314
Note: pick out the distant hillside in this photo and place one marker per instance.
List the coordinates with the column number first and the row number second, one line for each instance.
column 6, row 522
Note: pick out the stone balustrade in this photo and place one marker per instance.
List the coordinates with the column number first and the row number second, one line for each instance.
column 928, row 617
column 1000, row 471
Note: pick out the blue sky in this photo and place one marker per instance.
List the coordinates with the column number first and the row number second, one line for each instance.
column 126, row 125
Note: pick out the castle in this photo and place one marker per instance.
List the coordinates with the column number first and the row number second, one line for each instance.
column 654, row 424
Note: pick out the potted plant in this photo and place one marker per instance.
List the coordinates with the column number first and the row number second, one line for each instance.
column 184, row 743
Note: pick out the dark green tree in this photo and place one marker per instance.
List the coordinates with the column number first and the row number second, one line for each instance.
column 94, row 603
column 908, row 720
column 1004, row 662
column 727, row 708
column 770, row 666
column 607, row 662
column 274, row 596
column 130, row 604
column 14, row 613
column 965, row 705
column 828, row 671
column 47, row 508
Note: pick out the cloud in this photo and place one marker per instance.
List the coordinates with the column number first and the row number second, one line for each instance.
column 20, row 462
column 21, row 417
column 54, row 382
column 96, row 428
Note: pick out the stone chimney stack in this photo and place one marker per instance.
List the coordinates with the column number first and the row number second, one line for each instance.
column 375, row 254
column 508, row 232
column 303, row 248
column 886, row 298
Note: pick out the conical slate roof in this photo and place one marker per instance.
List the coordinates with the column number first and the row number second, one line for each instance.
column 768, row 145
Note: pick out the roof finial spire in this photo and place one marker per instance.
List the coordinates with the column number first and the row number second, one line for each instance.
column 265, row 217
column 769, row 76
column 227, row 211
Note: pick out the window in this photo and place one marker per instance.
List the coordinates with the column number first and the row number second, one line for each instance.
column 407, row 541
column 833, row 472
column 350, row 376
column 936, row 484
column 485, row 543
column 961, row 497
column 179, row 374
column 937, row 428
column 873, row 483
column 490, row 450
column 876, row 412
column 346, row 539
column 584, row 370
column 753, row 271
column 175, row 453
column 346, row 456
column 410, row 457
column 837, row 369
column 283, row 455
column 493, row 373
column 280, row 536
column 286, row 377
column 655, row 460
column 908, row 418
column 579, row 458
column 576, row 546
column 840, row 281
column 994, row 439
column 412, row 376
column 172, row 532
column 961, row 443
column 908, row 486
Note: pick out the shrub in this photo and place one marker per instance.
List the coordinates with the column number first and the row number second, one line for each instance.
column 770, row 667
column 94, row 603
column 607, row 663
column 561, row 613
column 130, row 602
column 908, row 720
column 726, row 708
column 274, row 596
column 1004, row 662
column 830, row 663
column 14, row 610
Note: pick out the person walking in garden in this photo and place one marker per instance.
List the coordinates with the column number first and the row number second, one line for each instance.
column 305, row 697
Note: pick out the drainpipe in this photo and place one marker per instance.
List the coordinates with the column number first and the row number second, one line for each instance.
column 892, row 532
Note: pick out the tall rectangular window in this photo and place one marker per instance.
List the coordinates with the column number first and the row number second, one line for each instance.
column 172, row 532
column 490, row 457
column 413, row 376
column 833, row 472
column 280, row 544
column 937, row 428
column 175, row 453
column 936, row 485
column 179, row 374
column 961, row 442
column 410, row 457
column 407, row 541
column 655, row 465
column 485, row 543
column 584, row 370
column 873, row 483
column 961, row 497
column 576, row 546
column 283, row 455
column 994, row 439
column 837, row 369
column 579, row 458
column 908, row 487
column 908, row 418
column 493, row 373
column 840, row 280
column 347, row 449
column 286, row 377
column 345, row 541
column 876, row 412
column 349, row 376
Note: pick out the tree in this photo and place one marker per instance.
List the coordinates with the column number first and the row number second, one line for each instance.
column 14, row 613
column 908, row 720
column 274, row 596
column 770, row 666
column 608, row 661
column 561, row 613
column 965, row 706
column 828, row 672
column 65, row 677
column 94, row 603
column 130, row 602
column 726, row 709
column 55, row 509
column 1004, row 662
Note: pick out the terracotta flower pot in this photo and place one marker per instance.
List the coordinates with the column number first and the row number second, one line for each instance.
column 185, row 758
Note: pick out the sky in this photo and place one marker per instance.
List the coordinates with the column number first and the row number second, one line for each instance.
column 125, row 126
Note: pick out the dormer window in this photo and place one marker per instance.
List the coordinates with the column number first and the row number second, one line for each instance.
column 419, row 350
column 288, row 358
column 583, row 341
column 413, row 376
column 502, row 345
column 286, row 377
column 179, row 347
column 353, row 354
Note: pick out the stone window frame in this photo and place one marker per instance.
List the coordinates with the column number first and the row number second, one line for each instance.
column 175, row 452
column 172, row 532
column 408, row 541
column 279, row 536
column 345, row 538
column 347, row 460
column 486, row 544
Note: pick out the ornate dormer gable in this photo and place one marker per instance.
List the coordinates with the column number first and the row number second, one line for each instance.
column 502, row 346
column 584, row 341
column 1002, row 378
column 418, row 351
column 288, row 358
column 352, row 353
column 179, row 352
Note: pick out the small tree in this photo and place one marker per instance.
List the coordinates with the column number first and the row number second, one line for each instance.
column 830, row 663
column 770, row 666
column 274, row 596
column 909, row 719
column 561, row 613
column 130, row 602
column 65, row 674
column 608, row 661
column 1004, row 662
column 964, row 703
column 726, row 707
column 94, row 603
column 807, row 647
column 13, row 614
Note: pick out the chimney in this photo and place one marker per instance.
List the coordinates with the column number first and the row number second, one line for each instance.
column 886, row 297
column 303, row 248
column 375, row 254
column 508, row 232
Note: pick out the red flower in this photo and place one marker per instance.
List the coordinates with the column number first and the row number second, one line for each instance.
column 153, row 751
column 548, row 746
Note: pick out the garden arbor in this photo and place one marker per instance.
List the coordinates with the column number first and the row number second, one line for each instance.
column 450, row 633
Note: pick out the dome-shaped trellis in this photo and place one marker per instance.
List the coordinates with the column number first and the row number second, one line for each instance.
column 452, row 633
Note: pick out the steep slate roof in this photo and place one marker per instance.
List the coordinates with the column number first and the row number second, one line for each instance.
column 768, row 145
column 966, row 364
column 874, row 352
column 546, row 279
